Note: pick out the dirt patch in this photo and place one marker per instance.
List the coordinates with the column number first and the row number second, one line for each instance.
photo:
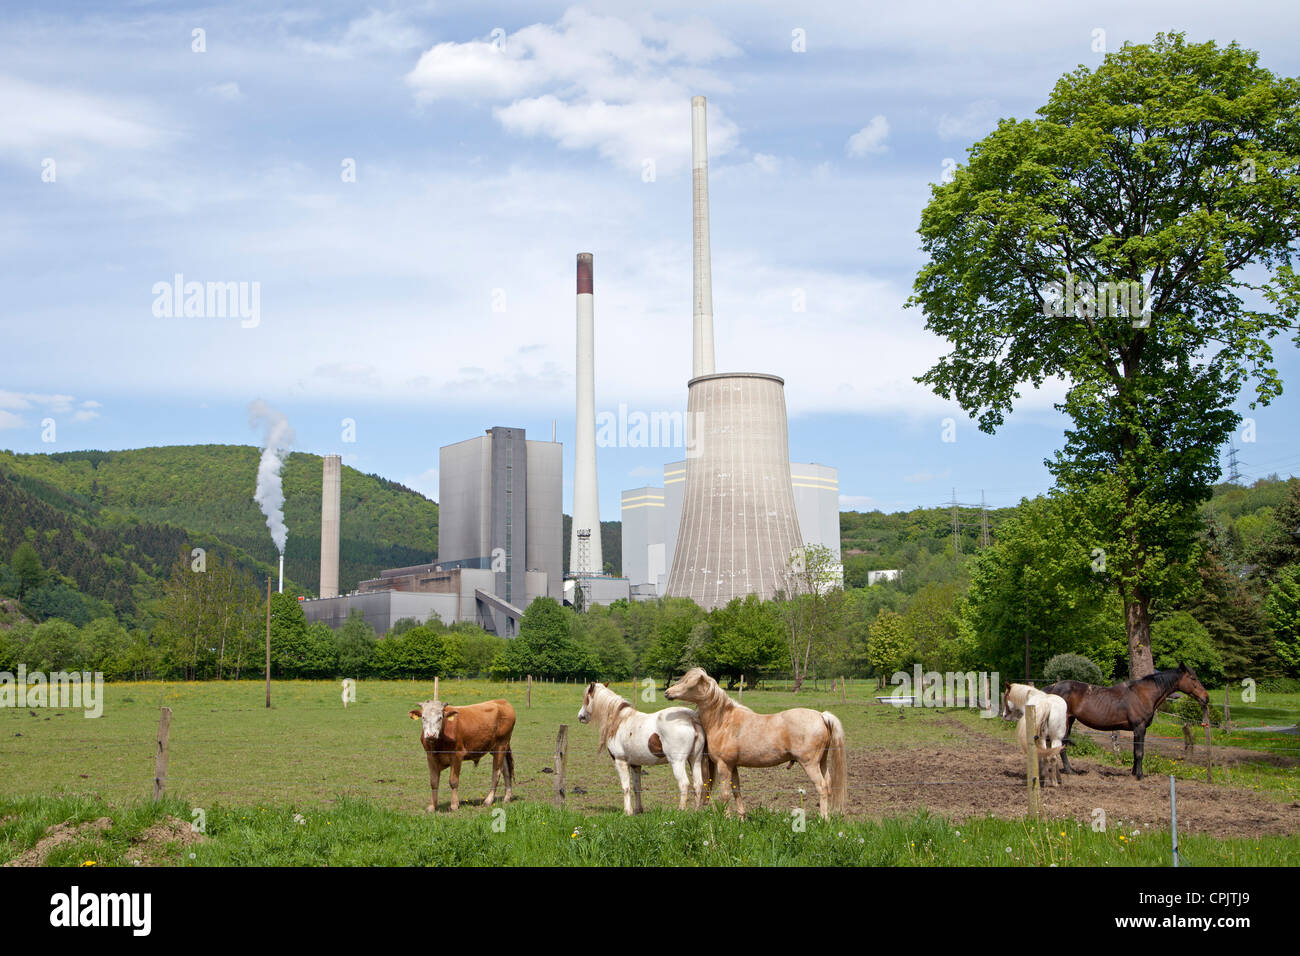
column 157, row 845
column 56, row 836
column 961, row 782
column 979, row 775
column 1174, row 748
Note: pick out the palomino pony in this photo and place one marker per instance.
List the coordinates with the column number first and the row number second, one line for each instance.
column 1127, row 706
column 673, row 736
column 738, row 737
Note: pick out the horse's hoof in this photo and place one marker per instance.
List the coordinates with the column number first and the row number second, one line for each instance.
column 431, row 808
column 488, row 801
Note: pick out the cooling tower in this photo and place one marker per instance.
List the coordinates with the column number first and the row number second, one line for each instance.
column 738, row 526
column 738, row 529
column 584, row 545
column 331, row 487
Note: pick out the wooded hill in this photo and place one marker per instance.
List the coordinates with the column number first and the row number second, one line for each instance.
column 115, row 522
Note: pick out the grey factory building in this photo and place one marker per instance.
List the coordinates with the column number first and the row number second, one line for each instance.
column 499, row 541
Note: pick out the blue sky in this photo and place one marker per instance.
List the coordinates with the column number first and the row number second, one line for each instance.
column 432, row 297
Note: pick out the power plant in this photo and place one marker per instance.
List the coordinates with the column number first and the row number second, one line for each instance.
column 730, row 520
column 738, row 531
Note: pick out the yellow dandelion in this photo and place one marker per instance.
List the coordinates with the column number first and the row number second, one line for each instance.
column 88, row 863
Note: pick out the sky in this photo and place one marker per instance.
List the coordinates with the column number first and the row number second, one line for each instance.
column 397, row 194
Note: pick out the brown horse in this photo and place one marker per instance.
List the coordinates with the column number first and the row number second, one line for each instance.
column 1127, row 706
column 738, row 737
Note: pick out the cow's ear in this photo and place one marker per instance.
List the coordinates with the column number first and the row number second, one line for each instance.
column 605, row 682
column 416, row 715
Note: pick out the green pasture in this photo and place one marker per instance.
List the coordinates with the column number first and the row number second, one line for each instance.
column 358, row 780
column 356, row 833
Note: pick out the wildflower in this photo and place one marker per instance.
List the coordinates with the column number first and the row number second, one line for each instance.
column 88, row 863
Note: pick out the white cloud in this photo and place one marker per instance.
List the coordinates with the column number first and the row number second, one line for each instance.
column 973, row 122
column 870, row 139
column 619, row 86
column 46, row 119
column 228, row 91
column 377, row 33
column 10, row 420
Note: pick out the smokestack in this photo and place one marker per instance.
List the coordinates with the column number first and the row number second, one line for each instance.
column 702, row 351
column 281, row 590
column 584, row 544
column 331, row 486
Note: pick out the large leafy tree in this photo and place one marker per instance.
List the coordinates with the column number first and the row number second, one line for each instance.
column 1113, row 243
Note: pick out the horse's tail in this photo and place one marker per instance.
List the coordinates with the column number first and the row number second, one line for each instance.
column 835, row 764
column 510, row 763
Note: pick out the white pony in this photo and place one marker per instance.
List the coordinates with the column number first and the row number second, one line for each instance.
column 673, row 736
column 1051, row 714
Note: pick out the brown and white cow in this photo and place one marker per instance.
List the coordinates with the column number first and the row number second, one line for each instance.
column 451, row 735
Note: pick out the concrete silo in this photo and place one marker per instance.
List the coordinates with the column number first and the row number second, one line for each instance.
column 738, row 528
column 331, row 488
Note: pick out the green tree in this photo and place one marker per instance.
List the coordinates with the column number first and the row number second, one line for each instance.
column 671, row 636
column 888, row 646
column 1108, row 243
column 1179, row 638
column 545, row 646
column 1283, row 607
column 747, row 638
column 26, row 567
column 354, row 645
column 810, row 605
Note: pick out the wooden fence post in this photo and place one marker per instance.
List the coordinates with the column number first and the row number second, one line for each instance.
column 530, row 690
column 1208, row 760
column 1173, row 817
column 1227, row 711
column 742, row 688
column 844, row 692
column 561, row 762
column 435, row 689
column 160, row 757
column 1031, row 767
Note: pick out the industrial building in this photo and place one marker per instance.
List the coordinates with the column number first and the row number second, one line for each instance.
column 499, row 541
column 738, row 527
column 652, row 515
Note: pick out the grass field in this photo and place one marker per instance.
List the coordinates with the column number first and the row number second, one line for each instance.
column 357, row 781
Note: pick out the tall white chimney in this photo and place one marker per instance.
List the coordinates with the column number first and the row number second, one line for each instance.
column 584, row 544
column 702, row 352
column 331, row 487
column 280, row 590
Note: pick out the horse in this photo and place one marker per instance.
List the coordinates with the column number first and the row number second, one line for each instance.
column 1014, row 699
column 1130, row 705
column 738, row 737
column 672, row 736
column 1051, row 716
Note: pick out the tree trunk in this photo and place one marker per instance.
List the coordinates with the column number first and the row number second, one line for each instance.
column 1137, row 625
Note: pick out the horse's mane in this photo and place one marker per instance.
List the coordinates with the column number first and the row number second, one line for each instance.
column 719, row 698
column 607, row 706
column 1166, row 679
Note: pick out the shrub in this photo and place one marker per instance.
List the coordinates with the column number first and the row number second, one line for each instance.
column 1189, row 711
column 1072, row 667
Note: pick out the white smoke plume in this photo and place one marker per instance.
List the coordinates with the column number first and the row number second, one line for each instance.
column 270, row 493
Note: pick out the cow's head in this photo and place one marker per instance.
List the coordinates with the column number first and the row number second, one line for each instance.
column 430, row 714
